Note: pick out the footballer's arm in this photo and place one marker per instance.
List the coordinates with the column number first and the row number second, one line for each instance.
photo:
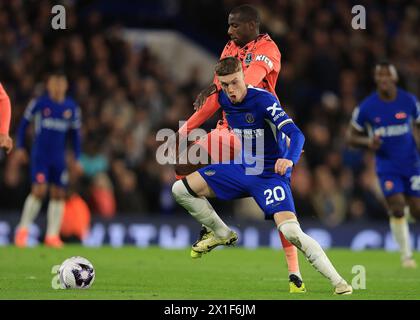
column 296, row 140
column 5, row 115
column 416, row 134
column 359, row 139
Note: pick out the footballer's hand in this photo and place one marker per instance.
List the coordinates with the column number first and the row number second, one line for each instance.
column 6, row 142
column 21, row 156
column 203, row 95
column 375, row 143
column 77, row 168
column 282, row 165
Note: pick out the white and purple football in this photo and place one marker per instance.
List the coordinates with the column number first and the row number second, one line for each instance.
column 76, row 273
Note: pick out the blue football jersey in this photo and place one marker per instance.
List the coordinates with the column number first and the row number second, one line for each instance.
column 393, row 123
column 52, row 122
column 258, row 121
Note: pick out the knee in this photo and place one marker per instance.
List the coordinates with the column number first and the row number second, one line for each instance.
column 178, row 190
column 39, row 192
column 292, row 232
column 396, row 210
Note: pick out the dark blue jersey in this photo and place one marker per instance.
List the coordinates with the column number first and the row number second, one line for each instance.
column 393, row 123
column 262, row 124
column 52, row 122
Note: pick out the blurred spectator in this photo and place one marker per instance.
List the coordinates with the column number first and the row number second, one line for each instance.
column 328, row 201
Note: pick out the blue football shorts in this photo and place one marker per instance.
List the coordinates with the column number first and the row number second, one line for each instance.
column 407, row 183
column 50, row 171
column 270, row 190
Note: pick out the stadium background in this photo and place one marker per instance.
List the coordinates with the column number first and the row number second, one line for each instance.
column 136, row 67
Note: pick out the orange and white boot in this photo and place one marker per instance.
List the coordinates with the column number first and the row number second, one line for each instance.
column 21, row 237
column 53, row 242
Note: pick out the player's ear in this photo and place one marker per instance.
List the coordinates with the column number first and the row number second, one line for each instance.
column 252, row 25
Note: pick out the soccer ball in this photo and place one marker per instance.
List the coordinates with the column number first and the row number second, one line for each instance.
column 76, row 273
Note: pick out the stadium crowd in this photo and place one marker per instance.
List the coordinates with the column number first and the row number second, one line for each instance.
column 126, row 95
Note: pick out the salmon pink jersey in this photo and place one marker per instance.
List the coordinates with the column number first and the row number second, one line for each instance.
column 261, row 62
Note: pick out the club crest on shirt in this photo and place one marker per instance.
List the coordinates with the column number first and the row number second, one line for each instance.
column 400, row 115
column 67, row 114
column 248, row 58
column 210, row 172
column 249, row 118
column 47, row 112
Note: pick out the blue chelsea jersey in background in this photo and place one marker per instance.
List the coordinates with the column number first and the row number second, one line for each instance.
column 393, row 122
column 53, row 121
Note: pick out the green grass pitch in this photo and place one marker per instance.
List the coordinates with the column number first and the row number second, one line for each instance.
column 230, row 273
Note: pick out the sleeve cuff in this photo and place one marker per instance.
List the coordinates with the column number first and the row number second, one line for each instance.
column 358, row 127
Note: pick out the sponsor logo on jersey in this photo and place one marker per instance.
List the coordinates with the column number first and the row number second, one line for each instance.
column 210, row 172
column 249, row 118
column 263, row 58
column 400, row 115
column 55, row 124
column 248, row 58
column 392, row 131
column 377, row 120
column 248, row 133
column 274, row 108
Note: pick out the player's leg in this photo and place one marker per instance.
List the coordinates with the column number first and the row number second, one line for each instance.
column 412, row 196
column 393, row 189
column 273, row 194
column 414, row 206
column 59, row 181
column 54, row 216
column 291, row 254
column 191, row 193
column 287, row 223
column 399, row 227
column 217, row 146
column 33, row 202
column 412, row 192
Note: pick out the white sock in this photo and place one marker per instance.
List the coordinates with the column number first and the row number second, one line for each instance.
column 296, row 274
column 31, row 209
column 54, row 216
column 200, row 209
column 311, row 249
column 399, row 229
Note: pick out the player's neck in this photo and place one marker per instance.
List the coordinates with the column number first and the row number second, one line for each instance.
column 58, row 98
column 388, row 96
column 247, row 41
